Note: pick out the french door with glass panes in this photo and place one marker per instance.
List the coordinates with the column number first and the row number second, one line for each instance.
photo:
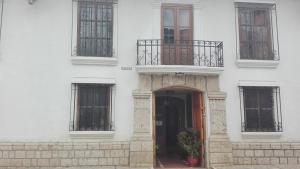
column 177, row 35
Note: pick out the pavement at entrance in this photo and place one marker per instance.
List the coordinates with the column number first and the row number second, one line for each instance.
column 228, row 167
column 260, row 167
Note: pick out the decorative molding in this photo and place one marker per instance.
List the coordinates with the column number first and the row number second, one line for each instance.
column 258, row 83
column 257, row 1
column 216, row 95
column 178, row 69
column 261, row 135
column 83, row 60
column 97, row 80
column 272, row 64
column 92, row 134
column 142, row 94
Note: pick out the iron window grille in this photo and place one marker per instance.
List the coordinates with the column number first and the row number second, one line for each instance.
column 94, row 28
column 91, row 107
column 260, row 109
column 257, row 31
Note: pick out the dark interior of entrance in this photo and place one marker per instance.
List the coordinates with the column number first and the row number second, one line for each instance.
column 174, row 113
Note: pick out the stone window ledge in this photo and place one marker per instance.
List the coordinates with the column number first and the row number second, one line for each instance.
column 88, row 60
column 92, row 134
column 261, row 135
column 271, row 64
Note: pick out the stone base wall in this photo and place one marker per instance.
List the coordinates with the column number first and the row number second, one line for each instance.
column 220, row 151
column 266, row 153
column 71, row 154
column 141, row 153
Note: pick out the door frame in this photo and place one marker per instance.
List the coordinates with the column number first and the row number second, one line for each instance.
column 202, row 110
column 176, row 7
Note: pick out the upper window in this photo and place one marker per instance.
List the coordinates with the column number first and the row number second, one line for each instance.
column 257, row 31
column 95, row 28
column 92, row 107
column 261, row 109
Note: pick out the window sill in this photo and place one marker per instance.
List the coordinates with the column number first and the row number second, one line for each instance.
column 271, row 64
column 261, row 135
column 92, row 134
column 87, row 60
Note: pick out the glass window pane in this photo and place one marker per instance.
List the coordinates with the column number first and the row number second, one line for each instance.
column 259, row 109
column 251, row 97
column 95, row 24
column 245, row 33
column 93, row 107
column 169, row 17
column 184, row 18
column 244, row 16
column 169, row 35
column 267, row 120
column 260, row 17
column 252, row 120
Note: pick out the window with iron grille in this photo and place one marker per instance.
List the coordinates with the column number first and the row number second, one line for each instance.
column 261, row 109
column 91, row 107
column 95, row 28
column 257, row 31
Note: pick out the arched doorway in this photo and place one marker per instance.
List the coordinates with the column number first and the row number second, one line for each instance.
column 177, row 110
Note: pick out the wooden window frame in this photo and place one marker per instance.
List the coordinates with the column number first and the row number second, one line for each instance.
column 271, row 44
column 176, row 45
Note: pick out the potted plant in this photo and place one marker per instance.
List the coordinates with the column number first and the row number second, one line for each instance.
column 189, row 142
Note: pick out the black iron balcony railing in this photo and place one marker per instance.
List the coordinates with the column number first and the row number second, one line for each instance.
column 183, row 52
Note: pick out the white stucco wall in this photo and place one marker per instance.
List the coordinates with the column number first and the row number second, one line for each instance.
column 36, row 69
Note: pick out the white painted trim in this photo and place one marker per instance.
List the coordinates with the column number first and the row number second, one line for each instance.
column 166, row 69
column 92, row 134
column 84, row 60
column 270, row 64
column 257, row 1
column 96, row 80
column 261, row 135
column 258, row 83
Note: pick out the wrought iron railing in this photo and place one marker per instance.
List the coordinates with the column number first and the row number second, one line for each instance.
column 183, row 52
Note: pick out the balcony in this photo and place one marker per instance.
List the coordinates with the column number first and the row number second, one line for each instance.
column 155, row 56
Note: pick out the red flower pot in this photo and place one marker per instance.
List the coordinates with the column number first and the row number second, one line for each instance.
column 193, row 161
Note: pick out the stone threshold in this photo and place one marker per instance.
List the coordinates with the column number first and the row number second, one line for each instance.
column 259, row 167
column 181, row 168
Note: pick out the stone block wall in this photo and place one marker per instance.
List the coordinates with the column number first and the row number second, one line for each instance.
column 266, row 153
column 69, row 154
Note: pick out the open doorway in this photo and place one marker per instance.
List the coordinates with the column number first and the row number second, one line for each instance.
column 177, row 111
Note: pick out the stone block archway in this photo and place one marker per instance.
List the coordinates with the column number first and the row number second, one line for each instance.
column 142, row 142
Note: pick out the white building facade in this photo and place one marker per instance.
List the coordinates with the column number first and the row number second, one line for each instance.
column 90, row 83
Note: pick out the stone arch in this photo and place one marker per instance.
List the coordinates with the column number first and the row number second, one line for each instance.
column 141, row 147
column 156, row 82
column 178, row 87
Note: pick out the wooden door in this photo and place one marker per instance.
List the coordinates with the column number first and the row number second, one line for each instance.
column 177, row 35
column 199, row 123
